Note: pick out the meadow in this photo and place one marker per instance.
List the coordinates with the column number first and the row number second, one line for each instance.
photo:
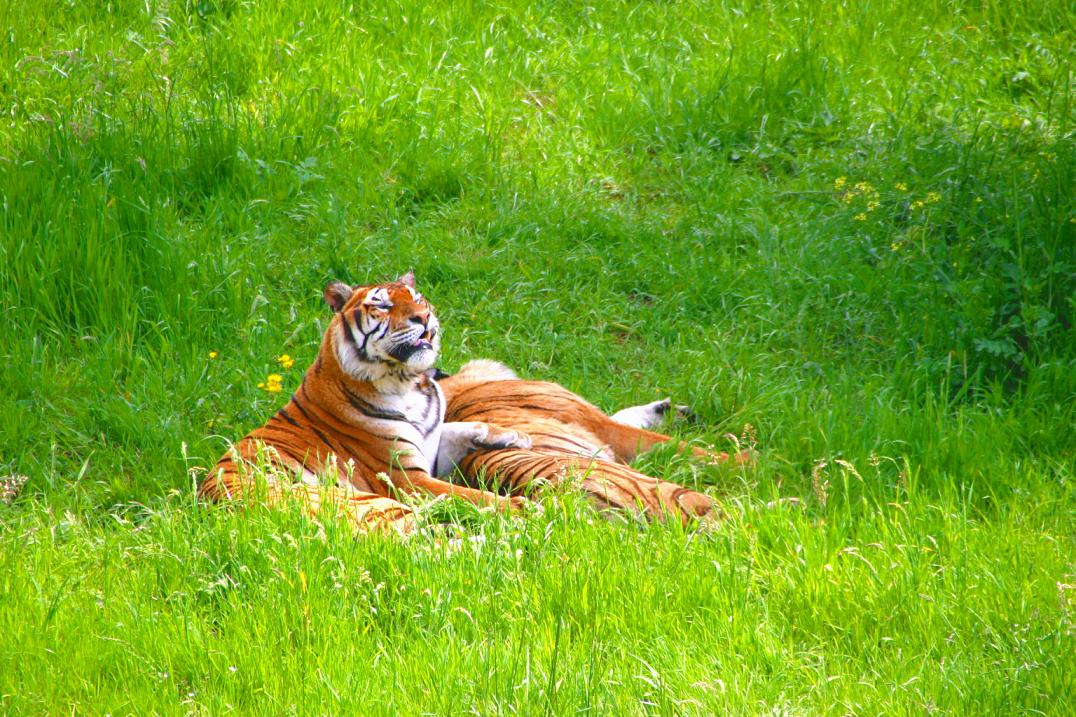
column 843, row 232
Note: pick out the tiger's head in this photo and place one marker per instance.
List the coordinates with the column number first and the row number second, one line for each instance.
column 382, row 331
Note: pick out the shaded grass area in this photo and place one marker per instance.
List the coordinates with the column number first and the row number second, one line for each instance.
column 842, row 232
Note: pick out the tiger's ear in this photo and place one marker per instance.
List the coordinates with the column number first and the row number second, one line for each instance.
column 408, row 279
column 336, row 294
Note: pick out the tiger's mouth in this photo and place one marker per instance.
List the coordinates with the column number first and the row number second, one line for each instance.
column 404, row 350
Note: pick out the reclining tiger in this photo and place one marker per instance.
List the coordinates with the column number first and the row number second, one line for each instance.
column 367, row 418
column 570, row 439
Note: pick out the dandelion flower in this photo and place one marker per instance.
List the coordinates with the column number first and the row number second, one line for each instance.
column 272, row 383
column 901, row 187
column 933, row 197
column 917, row 204
column 285, row 361
column 212, row 354
column 839, row 182
column 861, row 217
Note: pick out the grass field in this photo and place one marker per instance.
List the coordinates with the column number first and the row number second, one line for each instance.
column 843, row 232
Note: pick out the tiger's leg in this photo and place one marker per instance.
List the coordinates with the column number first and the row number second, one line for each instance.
column 462, row 437
column 607, row 484
column 412, row 480
column 650, row 414
column 365, row 512
column 628, row 441
column 627, row 433
column 615, row 485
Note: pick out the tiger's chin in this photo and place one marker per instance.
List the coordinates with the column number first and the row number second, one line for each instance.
column 421, row 360
column 416, row 357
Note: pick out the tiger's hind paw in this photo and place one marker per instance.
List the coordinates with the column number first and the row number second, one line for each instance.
column 651, row 414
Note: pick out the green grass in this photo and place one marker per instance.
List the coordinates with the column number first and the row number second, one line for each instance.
column 844, row 232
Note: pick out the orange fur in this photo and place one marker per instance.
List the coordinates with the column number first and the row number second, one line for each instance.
column 569, row 437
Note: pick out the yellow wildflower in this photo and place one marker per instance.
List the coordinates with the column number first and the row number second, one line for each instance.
column 272, row 383
column 839, row 182
column 901, row 187
column 212, row 354
column 917, row 204
column 872, row 205
column 933, row 197
column 285, row 361
column 861, row 217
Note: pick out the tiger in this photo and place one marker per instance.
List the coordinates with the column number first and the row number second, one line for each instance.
column 367, row 417
column 570, row 438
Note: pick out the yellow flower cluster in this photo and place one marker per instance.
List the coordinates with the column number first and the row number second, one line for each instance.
column 212, row 354
column 931, row 198
column 272, row 383
column 865, row 198
column 865, row 190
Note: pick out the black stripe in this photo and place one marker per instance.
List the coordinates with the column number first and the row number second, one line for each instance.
column 326, row 441
column 350, row 338
column 295, row 400
column 364, row 406
column 429, row 426
column 284, row 414
column 322, row 436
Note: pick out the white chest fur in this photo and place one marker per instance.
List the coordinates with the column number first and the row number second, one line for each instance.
column 421, row 415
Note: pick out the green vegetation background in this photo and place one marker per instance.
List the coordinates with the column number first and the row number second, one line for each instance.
column 841, row 231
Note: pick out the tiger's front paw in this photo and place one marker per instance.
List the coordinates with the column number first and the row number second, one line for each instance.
column 510, row 504
column 496, row 438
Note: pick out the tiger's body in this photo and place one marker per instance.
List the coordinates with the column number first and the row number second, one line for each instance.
column 366, row 422
column 570, row 437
